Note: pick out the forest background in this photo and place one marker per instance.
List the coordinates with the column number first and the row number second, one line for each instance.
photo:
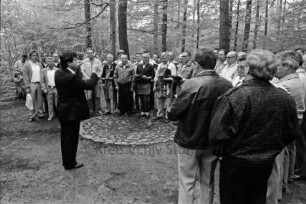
column 154, row 25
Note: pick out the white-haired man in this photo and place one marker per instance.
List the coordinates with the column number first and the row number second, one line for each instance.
column 163, row 87
column 284, row 163
column 123, row 75
column 301, row 141
column 247, row 127
column 221, row 62
column 230, row 70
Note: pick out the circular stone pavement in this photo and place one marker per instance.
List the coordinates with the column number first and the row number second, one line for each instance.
column 122, row 130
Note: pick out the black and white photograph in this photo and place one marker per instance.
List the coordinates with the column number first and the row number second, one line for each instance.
column 153, row 101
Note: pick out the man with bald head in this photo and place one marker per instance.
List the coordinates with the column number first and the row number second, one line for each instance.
column 230, row 70
column 123, row 75
column 221, row 61
column 171, row 56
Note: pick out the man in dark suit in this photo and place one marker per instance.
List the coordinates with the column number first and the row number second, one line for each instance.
column 145, row 73
column 72, row 105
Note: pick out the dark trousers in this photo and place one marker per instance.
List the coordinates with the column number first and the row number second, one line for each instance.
column 137, row 106
column 45, row 101
column 301, row 150
column 242, row 182
column 125, row 98
column 115, row 95
column 69, row 141
column 152, row 97
column 145, row 103
column 96, row 96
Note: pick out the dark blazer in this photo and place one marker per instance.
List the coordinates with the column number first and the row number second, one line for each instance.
column 148, row 71
column 72, row 104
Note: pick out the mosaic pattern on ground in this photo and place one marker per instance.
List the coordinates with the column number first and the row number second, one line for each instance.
column 123, row 130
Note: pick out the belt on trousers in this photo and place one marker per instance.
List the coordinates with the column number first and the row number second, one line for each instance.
column 51, row 87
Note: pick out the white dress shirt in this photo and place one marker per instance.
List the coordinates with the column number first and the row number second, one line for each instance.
column 50, row 75
column 229, row 72
column 35, row 72
column 172, row 68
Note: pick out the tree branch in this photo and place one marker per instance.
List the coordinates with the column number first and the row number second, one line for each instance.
column 133, row 17
column 142, row 31
column 77, row 25
column 60, row 8
column 99, row 5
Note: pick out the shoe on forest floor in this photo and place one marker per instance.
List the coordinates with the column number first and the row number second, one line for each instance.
column 300, row 178
column 31, row 119
column 41, row 116
column 141, row 115
column 76, row 166
column 166, row 120
column 157, row 118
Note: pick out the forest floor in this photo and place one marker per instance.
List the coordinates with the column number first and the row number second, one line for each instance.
column 31, row 170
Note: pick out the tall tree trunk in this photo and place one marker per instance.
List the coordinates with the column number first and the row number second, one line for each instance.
column 194, row 10
column 280, row 15
column 237, row 25
column 266, row 23
column 284, row 12
column 184, row 27
column 231, row 3
column 122, row 26
column 198, row 24
column 282, row 24
column 112, row 11
column 247, row 26
column 0, row 23
column 155, row 29
column 178, row 12
column 88, row 24
column 266, row 18
column 224, row 31
column 178, row 25
column 164, row 25
column 258, row 2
